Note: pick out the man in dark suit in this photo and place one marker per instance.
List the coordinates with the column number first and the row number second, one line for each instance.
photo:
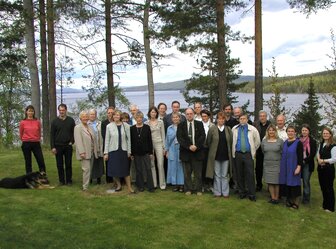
column 191, row 136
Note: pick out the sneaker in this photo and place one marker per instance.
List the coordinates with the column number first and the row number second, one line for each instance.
column 110, row 191
column 188, row 193
column 199, row 193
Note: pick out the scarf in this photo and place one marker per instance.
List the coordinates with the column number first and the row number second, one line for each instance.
column 306, row 146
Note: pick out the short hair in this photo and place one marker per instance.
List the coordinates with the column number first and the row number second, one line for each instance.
column 205, row 111
column 271, row 126
column 291, row 126
column 175, row 102
column 151, row 109
column 263, row 111
column 138, row 114
column 125, row 115
column 110, row 108
column 93, row 110
column 226, row 105
column 160, row 104
column 118, row 112
column 133, row 106
column 31, row 108
column 198, row 103
column 82, row 113
column 220, row 114
column 281, row 115
column 62, row 105
column 189, row 108
column 244, row 114
column 176, row 114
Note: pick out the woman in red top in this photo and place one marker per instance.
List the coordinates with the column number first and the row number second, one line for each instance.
column 30, row 135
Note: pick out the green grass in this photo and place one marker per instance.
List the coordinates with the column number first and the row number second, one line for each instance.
column 66, row 217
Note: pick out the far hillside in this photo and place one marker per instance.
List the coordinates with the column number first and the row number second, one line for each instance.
column 325, row 82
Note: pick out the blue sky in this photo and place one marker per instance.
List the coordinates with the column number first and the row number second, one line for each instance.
column 299, row 45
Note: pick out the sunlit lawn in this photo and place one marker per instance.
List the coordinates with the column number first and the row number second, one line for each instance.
column 66, row 217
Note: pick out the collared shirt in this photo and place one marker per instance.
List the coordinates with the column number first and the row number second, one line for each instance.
column 198, row 117
column 282, row 133
column 206, row 127
column 247, row 143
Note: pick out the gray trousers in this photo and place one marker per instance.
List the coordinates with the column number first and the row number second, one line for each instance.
column 245, row 173
column 189, row 167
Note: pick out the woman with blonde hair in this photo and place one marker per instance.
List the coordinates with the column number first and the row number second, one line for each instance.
column 326, row 158
column 271, row 146
column 86, row 147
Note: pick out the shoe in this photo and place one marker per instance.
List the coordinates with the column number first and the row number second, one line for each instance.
column 141, row 189
column 118, row 189
column 61, row 184
column 181, row 189
column 188, row 193
column 327, row 210
column 217, row 196
column 275, row 202
column 252, row 198
column 199, row 193
column 132, row 192
column 294, row 206
column 226, row 196
column 175, row 189
column 270, row 201
column 242, row 196
column 152, row 190
column 110, row 191
column 98, row 181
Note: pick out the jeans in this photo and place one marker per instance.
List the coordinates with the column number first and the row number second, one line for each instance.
column 221, row 179
column 306, row 183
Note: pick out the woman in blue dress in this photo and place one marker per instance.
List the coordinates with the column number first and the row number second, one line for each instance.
column 290, row 167
column 175, row 170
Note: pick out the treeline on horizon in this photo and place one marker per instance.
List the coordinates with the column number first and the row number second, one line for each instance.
column 324, row 82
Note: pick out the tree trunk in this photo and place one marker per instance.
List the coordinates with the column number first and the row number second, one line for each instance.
column 44, row 74
column 108, row 49
column 51, row 59
column 148, row 54
column 222, row 81
column 31, row 55
column 258, row 94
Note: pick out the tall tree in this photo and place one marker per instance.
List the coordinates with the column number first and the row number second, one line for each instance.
column 44, row 72
column 148, row 53
column 258, row 96
column 309, row 112
column 309, row 6
column 31, row 55
column 51, row 58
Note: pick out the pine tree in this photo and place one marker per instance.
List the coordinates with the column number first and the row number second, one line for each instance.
column 309, row 112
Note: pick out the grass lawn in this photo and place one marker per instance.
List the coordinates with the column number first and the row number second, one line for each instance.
column 66, row 217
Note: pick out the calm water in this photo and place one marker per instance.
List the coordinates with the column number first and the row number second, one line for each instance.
column 293, row 101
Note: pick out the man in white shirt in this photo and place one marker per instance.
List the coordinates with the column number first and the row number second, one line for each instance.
column 280, row 126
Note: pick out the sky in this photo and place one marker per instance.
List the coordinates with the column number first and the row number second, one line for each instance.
column 299, row 44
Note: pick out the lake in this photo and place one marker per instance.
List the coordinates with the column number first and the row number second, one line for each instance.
column 293, row 101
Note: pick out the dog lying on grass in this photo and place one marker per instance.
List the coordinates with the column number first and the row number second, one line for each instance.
column 34, row 180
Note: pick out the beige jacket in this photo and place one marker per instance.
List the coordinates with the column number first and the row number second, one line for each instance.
column 83, row 141
column 253, row 138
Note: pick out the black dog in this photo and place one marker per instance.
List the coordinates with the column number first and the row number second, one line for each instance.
column 32, row 181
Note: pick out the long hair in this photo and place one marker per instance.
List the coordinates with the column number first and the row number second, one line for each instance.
column 331, row 139
column 271, row 126
column 30, row 107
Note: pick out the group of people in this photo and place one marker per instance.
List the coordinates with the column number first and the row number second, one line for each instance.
column 187, row 151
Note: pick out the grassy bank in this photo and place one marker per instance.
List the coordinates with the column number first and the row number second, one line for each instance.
column 65, row 217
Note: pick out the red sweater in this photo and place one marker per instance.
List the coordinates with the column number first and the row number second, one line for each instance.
column 30, row 130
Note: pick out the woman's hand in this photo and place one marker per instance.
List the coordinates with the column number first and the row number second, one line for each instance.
column 105, row 157
column 297, row 170
column 83, row 155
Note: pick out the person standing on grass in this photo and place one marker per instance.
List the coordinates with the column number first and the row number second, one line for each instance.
column 229, row 119
column 86, row 147
column 118, row 151
column 162, row 108
column 30, row 135
column 167, row 120
column 142, row 152
column 110, row 112
column 246, row 141
column 271, row 146
column 326, row 159
column 98, row 163
column 198, row 109
column 219, row 141
column 175, row 169
column 61, row 141
column 158, row 139
column 261, row 126
column 290, row 168
column 191, row 137
column 309, row 152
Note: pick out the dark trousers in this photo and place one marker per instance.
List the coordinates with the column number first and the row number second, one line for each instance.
column 326, row 176
column 245, row 173
column 143, row 166
column 33, row 147
column 109, row 179
column 189, row 167
column 259, row 168
column 64, row 156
